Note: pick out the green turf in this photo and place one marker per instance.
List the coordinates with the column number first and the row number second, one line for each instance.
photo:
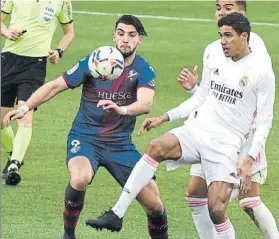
column 33, row 210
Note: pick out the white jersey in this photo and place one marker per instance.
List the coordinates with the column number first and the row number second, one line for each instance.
column 228, row 98
column 258, row 47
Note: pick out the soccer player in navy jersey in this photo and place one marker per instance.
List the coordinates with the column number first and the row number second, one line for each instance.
column 101, row 132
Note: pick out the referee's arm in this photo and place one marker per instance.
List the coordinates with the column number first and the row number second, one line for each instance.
column 4, row 29
column 11, row 34
column 68, row 36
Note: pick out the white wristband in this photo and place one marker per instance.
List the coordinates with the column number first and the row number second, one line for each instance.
column 25, row 108
column 124, row 110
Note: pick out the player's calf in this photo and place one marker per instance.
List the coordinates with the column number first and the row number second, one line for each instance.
column 74, row 201
column 261, row 216
column 149, row 198
column 158, row 225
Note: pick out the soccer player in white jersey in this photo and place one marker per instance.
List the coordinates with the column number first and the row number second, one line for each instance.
column 196, row 192
column 235, row 84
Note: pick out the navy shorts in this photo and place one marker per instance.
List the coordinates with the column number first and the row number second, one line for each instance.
column 118, row 158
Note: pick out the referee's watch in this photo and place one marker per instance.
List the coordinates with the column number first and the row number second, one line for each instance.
column 60, row 52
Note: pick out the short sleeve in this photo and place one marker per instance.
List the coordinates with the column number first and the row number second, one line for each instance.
column 6, row 6
column 75, row 76
column 147, row 77
column 66, row 14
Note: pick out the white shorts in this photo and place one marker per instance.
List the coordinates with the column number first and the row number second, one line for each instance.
column 260, row 164
column 257, row 177
column 218, row 159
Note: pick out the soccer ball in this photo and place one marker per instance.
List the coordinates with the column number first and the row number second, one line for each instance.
column 106, row 62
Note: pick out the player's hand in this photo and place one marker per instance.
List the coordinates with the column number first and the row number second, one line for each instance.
column 14, row 115
column 14, row 34
column 110, row 105
column 150, row 123
column 244, row 170
column 188, row 79
column 53, row 56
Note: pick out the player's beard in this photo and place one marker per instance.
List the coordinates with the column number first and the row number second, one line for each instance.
column 126, row 54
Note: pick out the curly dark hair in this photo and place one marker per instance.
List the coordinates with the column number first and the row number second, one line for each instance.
column 237, row 21
column 132, row 20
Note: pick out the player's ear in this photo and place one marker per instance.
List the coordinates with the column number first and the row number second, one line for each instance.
column 113, row 37
column 140, row 39
column 244, row 36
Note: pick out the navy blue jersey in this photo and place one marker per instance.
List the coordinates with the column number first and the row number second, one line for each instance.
column 96, row 123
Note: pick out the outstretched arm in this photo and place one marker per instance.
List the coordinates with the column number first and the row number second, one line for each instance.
column 181, row 111
column 188, row 106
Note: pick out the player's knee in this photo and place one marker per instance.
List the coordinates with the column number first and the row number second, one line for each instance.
column 217, row 211
column 80, row 182
column 155, row 209
column 156, row 148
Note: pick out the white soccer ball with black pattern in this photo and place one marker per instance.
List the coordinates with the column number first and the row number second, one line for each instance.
column 106, row 62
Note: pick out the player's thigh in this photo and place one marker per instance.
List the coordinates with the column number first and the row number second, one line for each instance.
column 81, row 159
column 182, row 145
column 197, row 186
column 81, row 172
column 220, row 174
column 253, row 192
column 257, row 179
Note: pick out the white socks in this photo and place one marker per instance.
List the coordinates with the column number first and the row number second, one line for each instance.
column 139, row 178
column 201, row 218
column 262, row 217
column 225, row 230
